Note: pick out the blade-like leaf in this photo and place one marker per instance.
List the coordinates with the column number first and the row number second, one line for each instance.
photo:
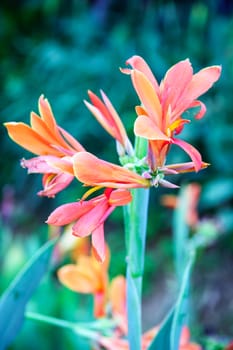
column 168, row 337
column 162, row 339
column 15, row 298
column 182, row 306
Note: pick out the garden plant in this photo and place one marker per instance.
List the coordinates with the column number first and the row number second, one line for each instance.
column 164, row 109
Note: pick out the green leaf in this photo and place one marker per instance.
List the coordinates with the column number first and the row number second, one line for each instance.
column 15, row 298
column 182, row 306
column 162, row 339
column 168, row 337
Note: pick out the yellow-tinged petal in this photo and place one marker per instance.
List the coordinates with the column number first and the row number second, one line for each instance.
column 93, row 171
column 148, row 96
column 78, row 279
column 145, row 127
column 29, row 139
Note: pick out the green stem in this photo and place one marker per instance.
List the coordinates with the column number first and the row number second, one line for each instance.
column 87, row 330
column 135, row 215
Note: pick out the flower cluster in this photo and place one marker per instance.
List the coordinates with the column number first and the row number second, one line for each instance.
column 60, row 158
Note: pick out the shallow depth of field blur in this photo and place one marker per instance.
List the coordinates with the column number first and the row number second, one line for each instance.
column 63, row 48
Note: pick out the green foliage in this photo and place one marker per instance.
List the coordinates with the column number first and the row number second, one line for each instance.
column 15, row 298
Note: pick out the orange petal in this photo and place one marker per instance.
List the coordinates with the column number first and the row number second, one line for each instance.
column 191, row 151
column 138, row 63
column 120, row 197
column 46, row 113
column 117, row 120
column 77, row 279
column 202, row 81
column 202, row 111
column 41, row 128
column 64, row 164
column 73, row 144
column 148, row 96
column 145, row 127
column 107, row 116
column 29, row 139
column 96, row 172
column 175, row 82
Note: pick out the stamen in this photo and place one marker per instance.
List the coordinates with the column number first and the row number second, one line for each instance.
column 90, row 191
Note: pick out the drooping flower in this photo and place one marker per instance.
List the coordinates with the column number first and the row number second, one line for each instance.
column 88, row 276
column 160, row 116
column 89, row 216
column 107, row 116
column 50, row 143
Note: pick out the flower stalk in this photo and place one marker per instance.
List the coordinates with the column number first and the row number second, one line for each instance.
column 135, row 218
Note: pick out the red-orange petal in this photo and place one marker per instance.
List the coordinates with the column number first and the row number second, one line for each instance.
column 67, row 213
column 98, row 243
column 91, row 220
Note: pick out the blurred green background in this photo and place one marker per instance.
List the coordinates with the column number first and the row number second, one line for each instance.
column 63, row 48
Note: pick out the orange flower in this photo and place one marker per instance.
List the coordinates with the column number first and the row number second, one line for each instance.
column 90, row 216
column 51, row 143
column 107, row 116
column 93, row 171
column 44, row 137
column 160, row 116
column 88, row 276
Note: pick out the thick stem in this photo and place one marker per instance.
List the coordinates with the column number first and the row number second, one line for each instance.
column 135, row 215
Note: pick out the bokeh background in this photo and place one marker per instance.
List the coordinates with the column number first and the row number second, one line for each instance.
column 63, row 48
